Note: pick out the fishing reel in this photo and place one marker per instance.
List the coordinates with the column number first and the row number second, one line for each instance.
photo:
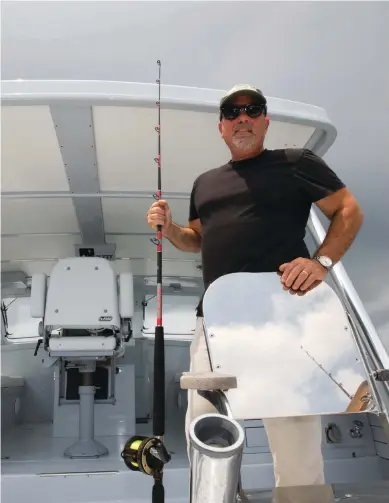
column 145, row 454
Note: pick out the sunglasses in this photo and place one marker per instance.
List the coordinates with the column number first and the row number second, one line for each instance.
column 232, row 112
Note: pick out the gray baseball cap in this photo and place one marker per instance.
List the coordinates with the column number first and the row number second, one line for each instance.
column 243, row 89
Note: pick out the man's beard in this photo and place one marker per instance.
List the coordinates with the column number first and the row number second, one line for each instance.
column 244, row 142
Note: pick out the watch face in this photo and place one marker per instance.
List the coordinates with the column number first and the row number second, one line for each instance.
column 326, row 261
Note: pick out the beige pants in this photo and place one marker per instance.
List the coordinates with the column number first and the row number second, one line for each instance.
column 295, row 443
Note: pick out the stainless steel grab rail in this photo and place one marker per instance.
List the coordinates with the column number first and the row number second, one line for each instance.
column 361, row 322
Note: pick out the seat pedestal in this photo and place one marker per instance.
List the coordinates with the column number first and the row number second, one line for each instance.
column 86, row 446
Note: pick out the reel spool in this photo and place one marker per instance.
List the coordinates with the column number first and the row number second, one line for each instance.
column 145, row 454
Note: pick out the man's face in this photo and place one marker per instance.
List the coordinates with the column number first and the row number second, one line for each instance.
column 244, row 135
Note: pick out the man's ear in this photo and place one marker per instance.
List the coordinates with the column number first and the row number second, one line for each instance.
column 267, row 120
column 220, row 125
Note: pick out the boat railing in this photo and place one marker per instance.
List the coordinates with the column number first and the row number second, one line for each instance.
column 373, row 352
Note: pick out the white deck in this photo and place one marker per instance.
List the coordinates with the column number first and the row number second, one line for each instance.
column 32, row 449
column 36, row 463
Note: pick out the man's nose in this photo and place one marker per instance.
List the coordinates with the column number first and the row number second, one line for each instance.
column 243, row 117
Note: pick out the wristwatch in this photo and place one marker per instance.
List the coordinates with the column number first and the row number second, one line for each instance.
column 324, row 261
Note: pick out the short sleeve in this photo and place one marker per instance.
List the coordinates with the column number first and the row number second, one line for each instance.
column 315, row 177
column 193, row 215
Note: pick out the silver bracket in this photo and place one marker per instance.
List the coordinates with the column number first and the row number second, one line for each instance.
column 381, row 375
column 218, row 399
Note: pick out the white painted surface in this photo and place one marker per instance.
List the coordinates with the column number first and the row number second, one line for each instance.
column 30, row 155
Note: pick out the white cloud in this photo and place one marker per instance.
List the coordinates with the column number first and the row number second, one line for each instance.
column 276, row 377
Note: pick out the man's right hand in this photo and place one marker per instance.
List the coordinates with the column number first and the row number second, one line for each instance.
column 160, row 214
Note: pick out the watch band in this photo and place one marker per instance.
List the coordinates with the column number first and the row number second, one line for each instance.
column 322, row 259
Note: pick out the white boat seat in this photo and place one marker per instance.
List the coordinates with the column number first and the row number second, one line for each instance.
column 82, row 346
column 86, row 310
column 86, row 313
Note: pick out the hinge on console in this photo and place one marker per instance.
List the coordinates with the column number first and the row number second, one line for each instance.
column 381, row 375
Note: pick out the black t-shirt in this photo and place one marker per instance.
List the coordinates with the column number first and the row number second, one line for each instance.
column 254, row 212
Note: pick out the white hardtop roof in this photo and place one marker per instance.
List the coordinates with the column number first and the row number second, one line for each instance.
column 77, row 162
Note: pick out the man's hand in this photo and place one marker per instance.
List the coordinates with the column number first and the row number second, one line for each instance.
column 302, row 275
column 160, row 214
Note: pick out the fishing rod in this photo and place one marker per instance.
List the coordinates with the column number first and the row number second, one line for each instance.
column 149, row 454
column 340, row 386
column 159, row 348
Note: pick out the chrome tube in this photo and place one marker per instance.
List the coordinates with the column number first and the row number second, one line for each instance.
column 216, row 449
column 361, row 322
column 350, row 298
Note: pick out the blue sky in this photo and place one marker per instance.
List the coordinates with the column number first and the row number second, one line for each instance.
column 330, row 54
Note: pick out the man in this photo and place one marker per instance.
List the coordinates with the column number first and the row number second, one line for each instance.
column 250, row 215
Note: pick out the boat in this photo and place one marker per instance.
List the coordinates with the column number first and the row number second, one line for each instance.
column 79, row 302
